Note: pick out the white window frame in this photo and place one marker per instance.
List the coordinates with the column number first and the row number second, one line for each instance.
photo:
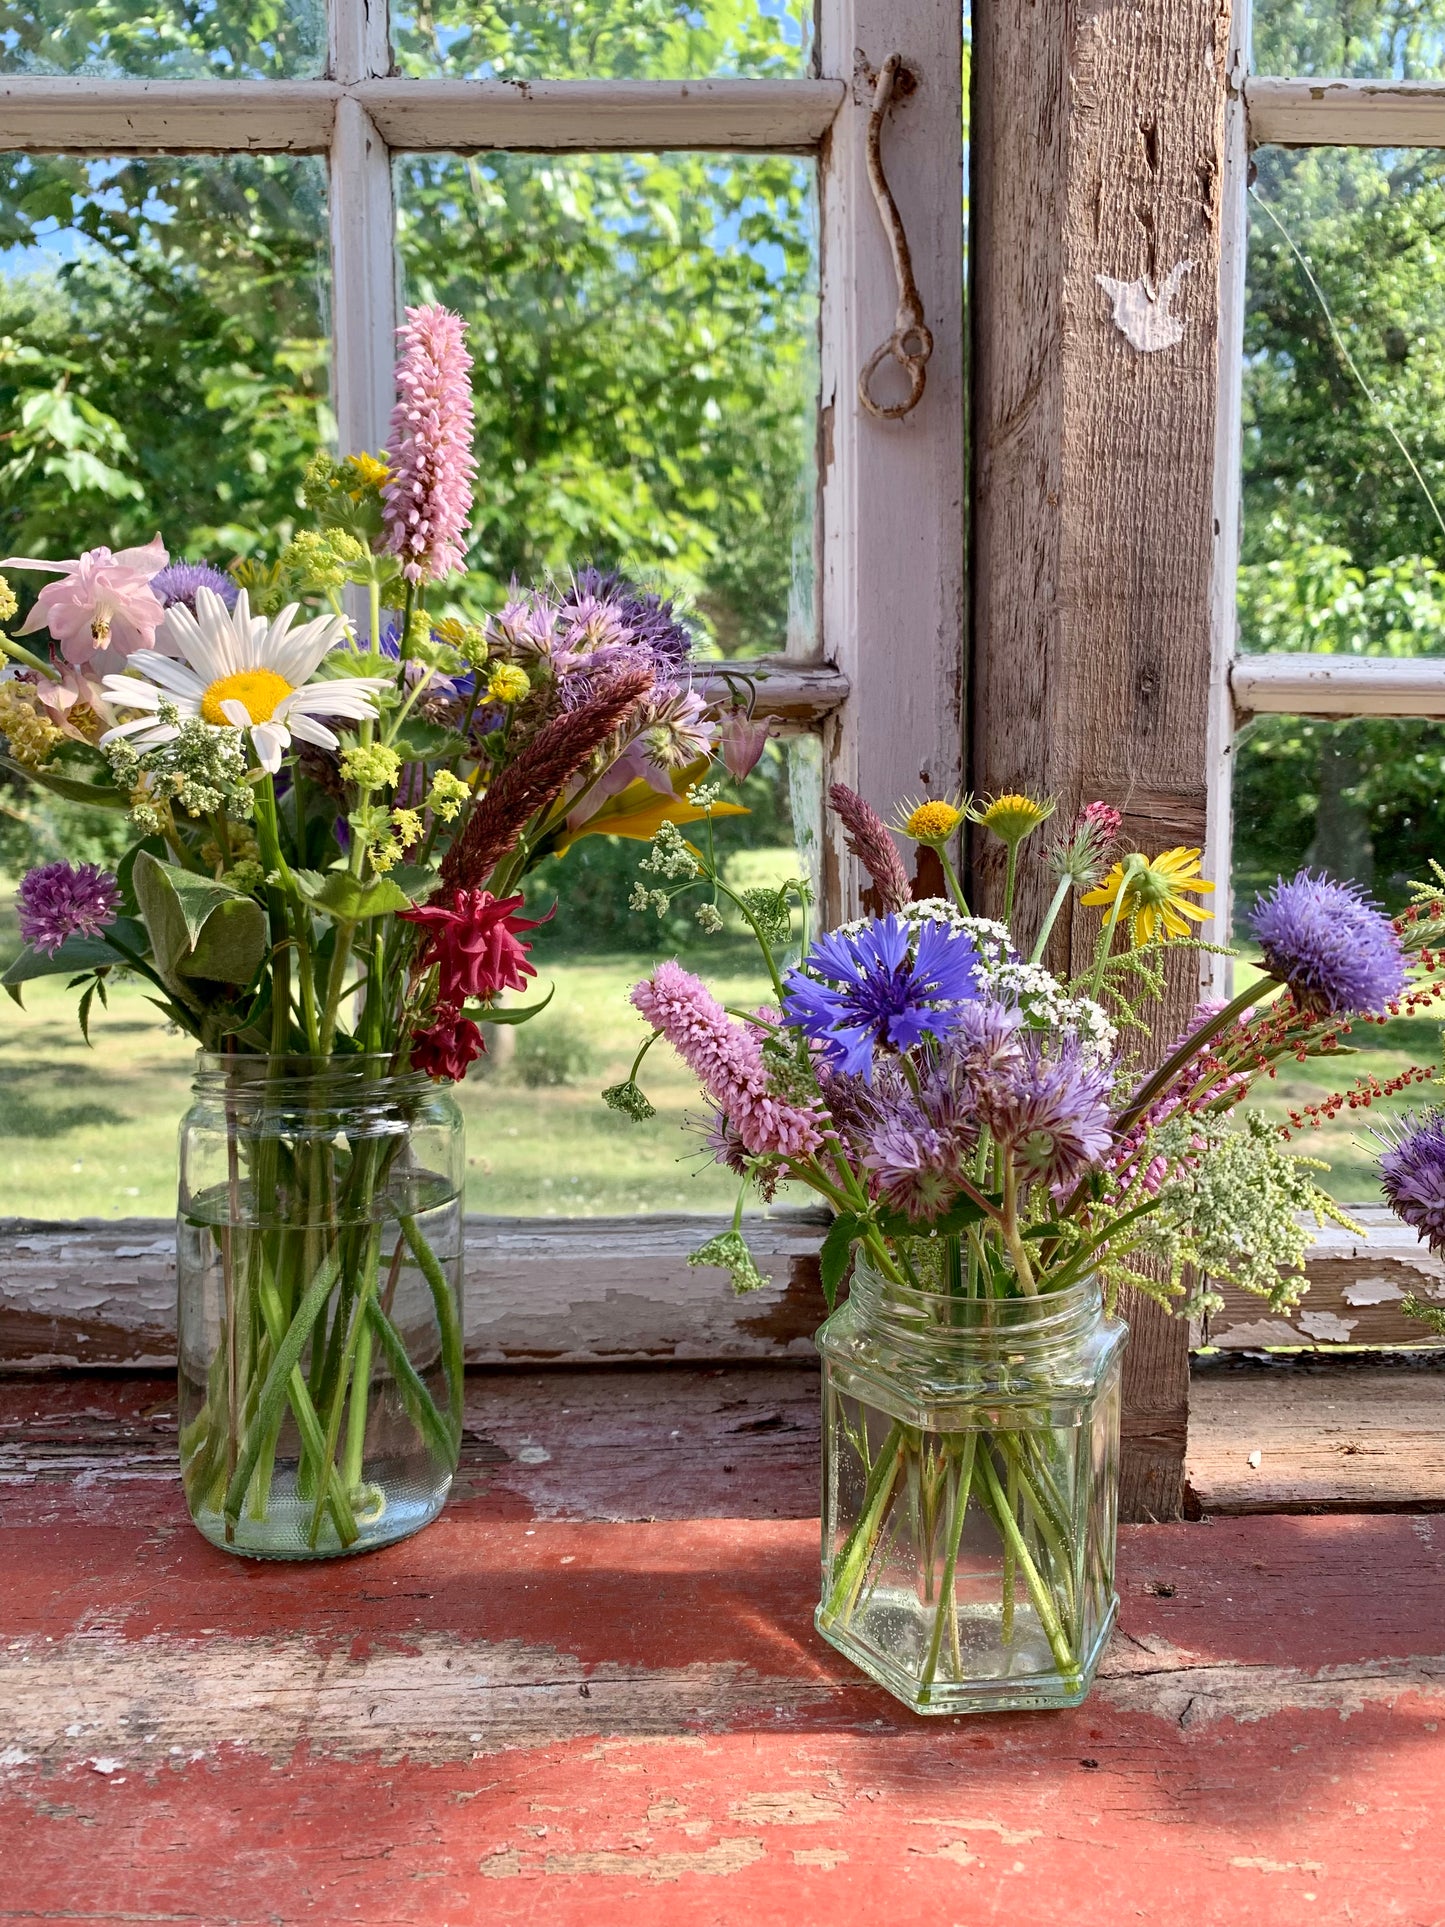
column 1355, row 1286
column 883, row 679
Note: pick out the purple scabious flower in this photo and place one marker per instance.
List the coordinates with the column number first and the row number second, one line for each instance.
column 180, row 581
column 1412, row 1176
column 1332, row 944
column 878, row 987
column 1050, row 1109
column 61, row 900
column 648, row 619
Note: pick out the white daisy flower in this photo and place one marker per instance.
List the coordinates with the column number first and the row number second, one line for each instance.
column 241, row 670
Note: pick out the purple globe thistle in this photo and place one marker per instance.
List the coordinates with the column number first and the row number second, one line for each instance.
column 877, row 987
column 180, row 581
column 1412, row 1176
column 61, row 900
column 1332, row 944
column 1050, row 1109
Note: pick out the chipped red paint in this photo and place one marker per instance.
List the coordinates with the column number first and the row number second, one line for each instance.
column 1267, row 1747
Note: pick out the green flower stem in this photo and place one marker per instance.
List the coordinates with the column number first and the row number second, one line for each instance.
column 950, row 877
column 1011, row 874
column 359, row 1404
column 308, row 1424
column 275, row 1388
column 453, row 1358
column 419, row 1403
column 1105, row 945
column 1191, row 1047
column 1051, row 917
column 993, row 1495
column 17, row 652
column 851, row 1565
column 947, row 1609
column 339, row 1394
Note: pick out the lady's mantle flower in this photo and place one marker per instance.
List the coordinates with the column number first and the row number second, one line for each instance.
column 1331, row 944
column 180, row 581
column 1149, row 893
column 240, row 670
column 886, row 984
column 427, row 496
column 727, row 1060
column 1412, row 1175
column 474, row 940
column 448, row 1048
column 104, row 600
column 62, row 900
column 1050, row 1109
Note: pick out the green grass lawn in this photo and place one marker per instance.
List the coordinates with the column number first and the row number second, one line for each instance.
column 92, row 1132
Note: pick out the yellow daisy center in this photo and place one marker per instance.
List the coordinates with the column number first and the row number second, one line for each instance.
column 259, row 691
column 932, row 820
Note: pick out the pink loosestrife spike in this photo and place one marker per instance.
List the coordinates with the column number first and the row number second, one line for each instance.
column 427, row 501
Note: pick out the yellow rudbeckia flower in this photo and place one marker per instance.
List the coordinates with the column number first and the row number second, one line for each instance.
column 1149, row 894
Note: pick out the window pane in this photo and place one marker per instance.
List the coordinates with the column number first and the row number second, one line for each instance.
column 1343, row 544
column 179, row 39
column 163, row 349
column 602, row 39
column 1364, row 800
column 1379, row 39
column 645, row 334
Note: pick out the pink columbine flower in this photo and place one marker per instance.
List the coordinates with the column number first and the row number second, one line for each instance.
column 104, row 600
column 428, row 499
column 727, row 1060
column 742, row 739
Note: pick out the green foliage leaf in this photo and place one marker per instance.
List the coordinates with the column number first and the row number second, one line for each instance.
column 201, row 931
column 76, row 954
column 74, row 776
column 340, row 895
column 509, row 1013
column 837, row 1249
column 418, row 741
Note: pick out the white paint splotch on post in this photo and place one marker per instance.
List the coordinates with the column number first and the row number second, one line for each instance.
column 1143, row 313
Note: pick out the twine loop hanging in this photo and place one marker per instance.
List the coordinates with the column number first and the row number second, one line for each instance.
column 910, row 343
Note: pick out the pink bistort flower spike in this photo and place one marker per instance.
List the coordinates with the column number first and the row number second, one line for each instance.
column 104, row 600
column 427, row 502
column 727, row 1060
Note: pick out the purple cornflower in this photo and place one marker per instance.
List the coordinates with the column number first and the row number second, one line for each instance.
column 180, row 581
column 62, row 900
column 1333, row 945
column 1050, row 1109
column 873, row 992
column 1412, row 1176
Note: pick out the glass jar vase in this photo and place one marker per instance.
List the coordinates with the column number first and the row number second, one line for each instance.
column 319, row 1266
column 970, row 1492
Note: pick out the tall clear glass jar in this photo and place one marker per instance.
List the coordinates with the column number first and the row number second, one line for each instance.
column 970, row 1492
column 319, row 1265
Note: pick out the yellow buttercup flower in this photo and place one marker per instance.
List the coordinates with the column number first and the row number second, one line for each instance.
column 1012, row 817
column 1148, row 892
column 931, row 822
column 361, row 472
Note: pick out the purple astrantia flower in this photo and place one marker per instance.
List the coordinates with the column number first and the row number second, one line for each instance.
column 1412, row 1175
column 62, row 900
column 1333, row 945
column 1050, row 1109
column 883, row 985
column 180, row 581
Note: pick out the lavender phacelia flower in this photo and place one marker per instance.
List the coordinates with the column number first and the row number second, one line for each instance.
column 1412, row 1175
column 61, row 900
column 1050, row 1109
column 1332, row 944
column 647, row 619
column 179, row 583
column 881, row 984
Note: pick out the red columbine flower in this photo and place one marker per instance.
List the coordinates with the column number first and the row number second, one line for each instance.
column 473, row 939
column 448, row 1048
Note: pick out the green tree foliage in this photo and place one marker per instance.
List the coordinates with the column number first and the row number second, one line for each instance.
column 1343, row 550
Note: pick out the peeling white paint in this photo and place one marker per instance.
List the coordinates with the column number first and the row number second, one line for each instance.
column 1144, row 314
column 1371, row 1291
column 1327, row 1326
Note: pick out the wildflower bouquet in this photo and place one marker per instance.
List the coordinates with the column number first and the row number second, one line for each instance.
column 332, row 820
column 1000, row 1165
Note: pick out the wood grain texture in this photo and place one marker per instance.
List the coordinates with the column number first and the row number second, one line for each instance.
column 537, row 1291
column 1306, row 685
column 523, row 1715
column 1370, row 1438
column 84, row 116
column 1098, row 152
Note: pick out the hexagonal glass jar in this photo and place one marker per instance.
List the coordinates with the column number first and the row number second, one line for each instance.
column 319, row 1267
column 970, row 1492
